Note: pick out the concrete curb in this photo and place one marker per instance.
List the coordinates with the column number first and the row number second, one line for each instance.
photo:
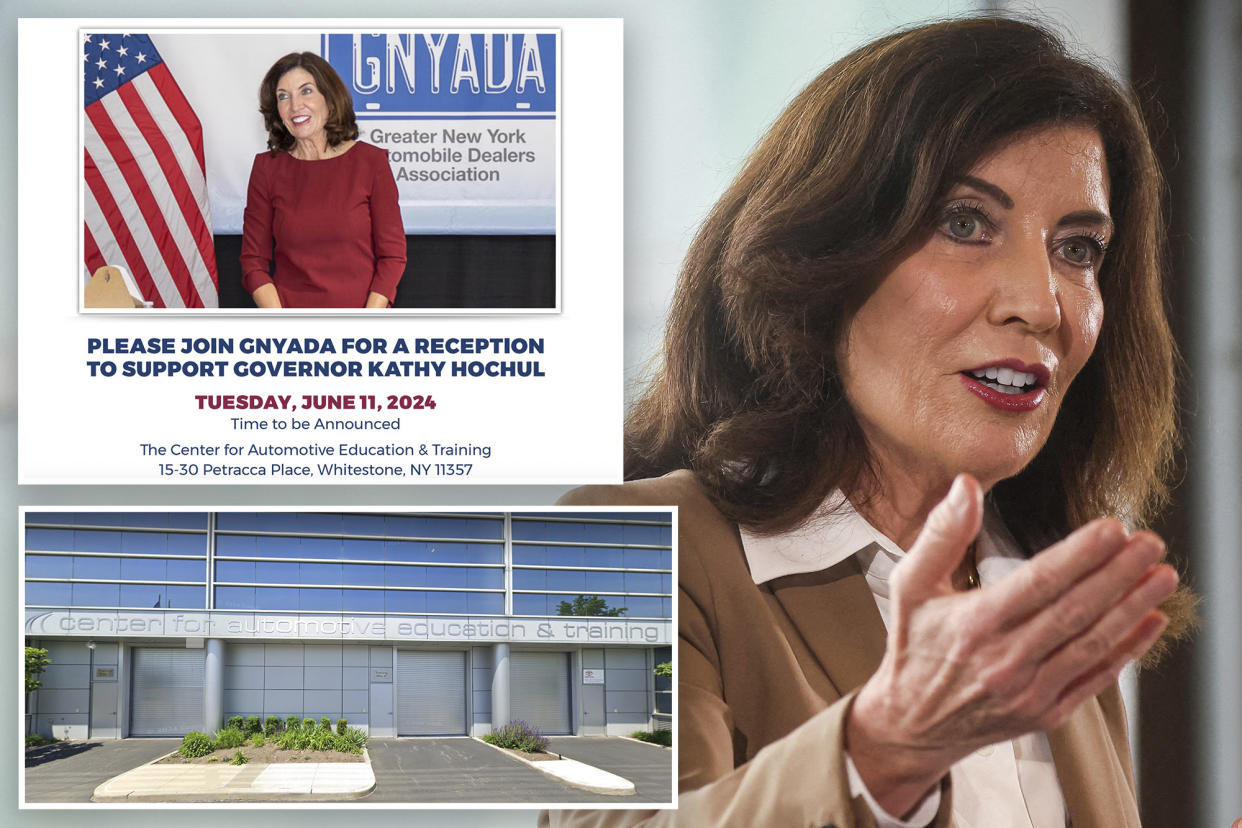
column 253, row 782
column 578, row 774
column 641, row 742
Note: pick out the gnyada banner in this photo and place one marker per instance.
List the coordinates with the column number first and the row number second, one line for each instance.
column 469, row 118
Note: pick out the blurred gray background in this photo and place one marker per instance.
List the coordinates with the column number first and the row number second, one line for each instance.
column 703, row 79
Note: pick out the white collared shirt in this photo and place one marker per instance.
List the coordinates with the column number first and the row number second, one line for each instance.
column 1006, row 785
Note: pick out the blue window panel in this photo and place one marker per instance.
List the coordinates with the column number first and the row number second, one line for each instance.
column 363, row 575
column 485, row 553
column 49, row 594
column 144, row 569
column 235, row 598
column 50, row 540
column 530, row 605
column 49, row 566
column 529, row 530
column 187, row 520
column 185, row 597
column 487, row 603
column 605, row 581
column 89, row 541
column 322, row 548
column 642, row 582
column 404, row 527
column 530, row 579
column 402, row 601
column 96, row 595
column 479, row 528
column 642, row 534
column 666, row 583
column 187, row 571
column 566, row 556
column 405, row 575
column 447, row 602
column 666, row 559
column 604, row 532
column 320, row 574
column 320, row 599
column 189, row 545
column 362, row 550
column 645, row 607
column 666, row 535
column 561, row 579
column 50, row 517
column 447, row 576
column 278, row 548
column 446, row 528
column 278, row 522
column 530, row 555
column 442, row 552
column 144, row 543
column 485, row 578
column 666, row 607
column 235, row 545
column 642, row 559
column 605, row 556
column 96, row 567
column 277, row 572
column 326, row 524
column 239, row 521
column 142, row 596
column 276, row 598
column 362, row 525
column 363, row 600
column 241, row 571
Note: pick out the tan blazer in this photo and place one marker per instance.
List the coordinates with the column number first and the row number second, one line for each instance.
column 765, row 677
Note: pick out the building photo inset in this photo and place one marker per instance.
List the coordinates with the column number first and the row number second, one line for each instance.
column 383, row 658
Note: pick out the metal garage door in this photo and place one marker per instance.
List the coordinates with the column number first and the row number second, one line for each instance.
column 431, row 693
column 167, row 695
column 539, row 690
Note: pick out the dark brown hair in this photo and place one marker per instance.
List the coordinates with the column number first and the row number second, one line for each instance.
column 341, row 125
column 749, row 395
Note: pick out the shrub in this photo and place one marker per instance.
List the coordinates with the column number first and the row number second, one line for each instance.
column 341, row 724
column 257, row 739
column 235, row 722
column 271, row 725
column 321, row 739
column 239, row 758
column 230, row 738
column 658, row 737
column 252, row 725
column 37, row 740
column 325, row 724
column 196, row 744
column 353, row 740
column 518, row 736
column 292, row 723
column 308, row 723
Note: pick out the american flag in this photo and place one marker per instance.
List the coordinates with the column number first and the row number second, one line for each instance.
column 145, row 199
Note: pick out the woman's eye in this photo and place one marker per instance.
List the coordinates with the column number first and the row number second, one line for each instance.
column 964, row 225
column 1081, row 251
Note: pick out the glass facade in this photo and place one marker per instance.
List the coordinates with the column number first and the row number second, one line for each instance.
column 595, row 564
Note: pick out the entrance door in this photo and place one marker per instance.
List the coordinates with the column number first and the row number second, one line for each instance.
column 167, row 694
column 431, row 693
column 539, row 690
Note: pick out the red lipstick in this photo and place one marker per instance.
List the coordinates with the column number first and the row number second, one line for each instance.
column 1026, row 401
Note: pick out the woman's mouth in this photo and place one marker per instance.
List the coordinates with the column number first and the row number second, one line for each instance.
column 1007, row 387
column 299, row 120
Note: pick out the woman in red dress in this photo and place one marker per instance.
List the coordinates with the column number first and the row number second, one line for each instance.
column 322, row 226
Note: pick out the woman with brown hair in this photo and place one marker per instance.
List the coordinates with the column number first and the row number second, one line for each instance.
column 321, row 206
column 915, row 406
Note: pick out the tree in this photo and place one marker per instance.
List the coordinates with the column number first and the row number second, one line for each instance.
column 36, row 662
column 589, row 605
column 664, row 669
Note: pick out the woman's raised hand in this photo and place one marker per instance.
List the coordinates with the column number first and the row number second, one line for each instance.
column 966, row 669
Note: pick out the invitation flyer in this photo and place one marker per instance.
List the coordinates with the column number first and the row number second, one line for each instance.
column 192, row 291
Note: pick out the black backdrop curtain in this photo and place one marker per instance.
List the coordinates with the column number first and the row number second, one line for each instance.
column 444, row 272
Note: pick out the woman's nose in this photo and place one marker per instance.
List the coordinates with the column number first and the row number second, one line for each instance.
column 1026, row 290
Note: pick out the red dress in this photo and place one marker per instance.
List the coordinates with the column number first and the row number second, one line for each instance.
column 333, row 226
